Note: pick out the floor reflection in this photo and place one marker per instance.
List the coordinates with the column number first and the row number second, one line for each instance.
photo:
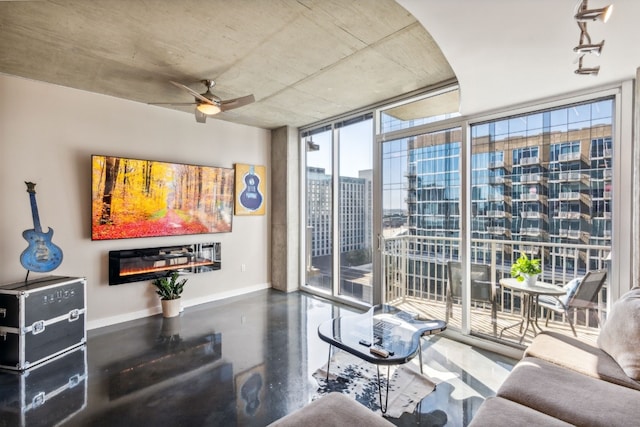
column 244, row 361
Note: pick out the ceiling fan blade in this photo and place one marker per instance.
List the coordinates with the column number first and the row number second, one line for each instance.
column 200, row 116
column 230, row 104
column 192, row 92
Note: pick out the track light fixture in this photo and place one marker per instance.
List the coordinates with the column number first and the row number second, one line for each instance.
column 585, row 14
column 582, row 16
column 596, row 49
column 593, row 71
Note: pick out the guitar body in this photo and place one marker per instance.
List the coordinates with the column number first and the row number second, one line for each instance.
column 250, row 197
column 42, row 255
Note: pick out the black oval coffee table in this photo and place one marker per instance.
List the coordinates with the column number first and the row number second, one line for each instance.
column 384, row 335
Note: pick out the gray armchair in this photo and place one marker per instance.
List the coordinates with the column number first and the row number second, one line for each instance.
column 580, row 297
column 482, row 289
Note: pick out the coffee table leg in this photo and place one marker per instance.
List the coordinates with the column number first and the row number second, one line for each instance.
column 329, row 362
column 420, row 354
column 383, row 409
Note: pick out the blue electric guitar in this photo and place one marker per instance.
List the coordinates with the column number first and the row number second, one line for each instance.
column 250, row 197
column 41, row 256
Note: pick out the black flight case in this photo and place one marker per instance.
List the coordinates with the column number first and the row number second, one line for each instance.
column 40, row 319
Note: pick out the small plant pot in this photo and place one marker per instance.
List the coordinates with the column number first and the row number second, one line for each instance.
column 530, row 279
column 170, row 307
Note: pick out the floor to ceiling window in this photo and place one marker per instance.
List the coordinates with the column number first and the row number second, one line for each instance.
column 339, row 232
column 319, row 212
column 539, row 188
column 464, row 197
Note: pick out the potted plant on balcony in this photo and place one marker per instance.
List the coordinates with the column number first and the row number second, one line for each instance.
column 169, row 288
column 525, row 269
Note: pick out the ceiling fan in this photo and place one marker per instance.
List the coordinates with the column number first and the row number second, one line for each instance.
column 208, row 104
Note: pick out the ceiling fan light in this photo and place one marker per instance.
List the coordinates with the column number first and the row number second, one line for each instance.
column 208, row 109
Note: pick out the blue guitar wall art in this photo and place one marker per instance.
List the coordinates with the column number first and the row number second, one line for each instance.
column 42, row 255
column 250, row 198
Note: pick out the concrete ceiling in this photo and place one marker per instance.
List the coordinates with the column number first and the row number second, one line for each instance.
column 303, row 60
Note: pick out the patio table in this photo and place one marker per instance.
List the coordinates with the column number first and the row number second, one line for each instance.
column 530, row 303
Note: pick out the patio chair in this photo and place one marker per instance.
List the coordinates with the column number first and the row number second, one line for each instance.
column 482, row 289
column 581, row 294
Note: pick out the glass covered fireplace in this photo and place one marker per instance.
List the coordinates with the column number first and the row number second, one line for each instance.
column 135, row 265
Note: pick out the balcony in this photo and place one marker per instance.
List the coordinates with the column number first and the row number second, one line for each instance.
column 569, row 195
column 531, row 215
column 530, row 178
column 567, row 215
column 496, row 214
column 569, row 157
column 496, row 164
column 531, row 231
column 415, row 280
column 569, row 234
column 526, row 161
column 530, row 197
column 607, row 174
column 495, row 197
column 608, row 152
column 497, row 180
column 496, row 230
column 606, row 194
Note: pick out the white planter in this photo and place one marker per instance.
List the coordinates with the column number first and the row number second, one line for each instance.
column 170, row 307
column 530, row 279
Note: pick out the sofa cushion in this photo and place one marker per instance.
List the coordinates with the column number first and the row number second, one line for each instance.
column 496, row 411
column 620, row 335
column 580, row 356
column 570, row 396
column 332, row 410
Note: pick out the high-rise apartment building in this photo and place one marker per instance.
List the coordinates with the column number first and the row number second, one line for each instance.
column 537, row 184
column 354, row 204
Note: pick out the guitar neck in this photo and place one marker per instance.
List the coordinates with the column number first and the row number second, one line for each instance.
column 34, row 212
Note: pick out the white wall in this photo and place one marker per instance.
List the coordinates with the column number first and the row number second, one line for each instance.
column 47, row 135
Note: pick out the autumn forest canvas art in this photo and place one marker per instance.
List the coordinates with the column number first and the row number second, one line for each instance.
column 143, row 198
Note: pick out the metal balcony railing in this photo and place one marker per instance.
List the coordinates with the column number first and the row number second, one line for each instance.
column 529, row 161
column 531, row 214
column 530, row 178
column 569, row 157
column 415, row 270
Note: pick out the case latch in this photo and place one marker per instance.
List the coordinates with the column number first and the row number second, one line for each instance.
column 74, row 381
column 38, row 399
column 37, row 327
column 74, row 315
column 3, row 312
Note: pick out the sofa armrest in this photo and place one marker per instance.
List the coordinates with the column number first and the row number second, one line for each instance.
column 332, row 410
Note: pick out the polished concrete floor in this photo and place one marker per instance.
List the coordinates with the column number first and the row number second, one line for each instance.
column 245, row 361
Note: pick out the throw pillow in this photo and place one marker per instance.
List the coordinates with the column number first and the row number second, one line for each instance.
column 620, row 335
column 571, row 289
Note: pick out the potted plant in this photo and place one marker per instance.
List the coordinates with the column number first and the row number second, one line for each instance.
column 169, row 288
column 525, row 269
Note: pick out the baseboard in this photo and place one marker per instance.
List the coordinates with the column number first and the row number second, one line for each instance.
column 225, row 295
column 113, row 320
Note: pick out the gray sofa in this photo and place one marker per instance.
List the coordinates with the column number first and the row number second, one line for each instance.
column 566, row 381
column 333, row 410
